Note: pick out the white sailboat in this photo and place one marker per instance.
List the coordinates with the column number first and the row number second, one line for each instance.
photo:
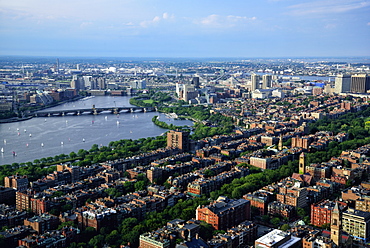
column 42, row 144
column 61, row 143
column 2, row 149
column 83, row 140
column 30, row 135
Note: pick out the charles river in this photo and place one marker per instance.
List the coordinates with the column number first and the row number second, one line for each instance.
column 42, row 137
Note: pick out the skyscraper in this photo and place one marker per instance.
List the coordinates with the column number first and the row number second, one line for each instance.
column 255, row 79
column 342, row 83
column 195, row 82
column 360, row 83
column 266, row 81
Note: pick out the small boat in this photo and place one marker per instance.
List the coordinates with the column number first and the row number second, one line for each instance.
column 4, row 141
column 25, row 130
column 27, row 145
column 92, row 122
column 83, row 140
column 2, row 149
column 106, row 117
column 45, row 120
column 14, row 154
column 30, row 135
column 117, row 122
column 42, row 144
column 19, row 134
column 17, row 129
column 61, row 143
column 130, row 131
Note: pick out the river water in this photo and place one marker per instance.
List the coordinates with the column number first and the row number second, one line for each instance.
column 42, row 137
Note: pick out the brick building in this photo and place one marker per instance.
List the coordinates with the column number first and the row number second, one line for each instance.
column 19, row 183
column 224, row 213
column 260, row 199
column 321, row 212
column 42, row 223
column 178, row 139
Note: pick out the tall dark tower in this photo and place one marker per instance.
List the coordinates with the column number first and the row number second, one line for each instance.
column 302, row 163
column 195, row 81
column 336, row 225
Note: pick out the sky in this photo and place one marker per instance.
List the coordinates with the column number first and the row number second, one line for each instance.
column 187, row 28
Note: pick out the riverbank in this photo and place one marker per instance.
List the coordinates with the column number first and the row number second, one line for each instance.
column 15, row 119
column 30, row 114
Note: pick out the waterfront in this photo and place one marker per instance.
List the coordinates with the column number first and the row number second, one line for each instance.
column 46, row 137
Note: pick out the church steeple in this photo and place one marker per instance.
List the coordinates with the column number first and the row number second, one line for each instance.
column 336, row 225
column 302, row 163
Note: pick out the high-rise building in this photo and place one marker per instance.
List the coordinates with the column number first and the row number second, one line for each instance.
column 178, row 139
column 195, row 82
column 255, row 80
column 342, row 83
column 77, row 83
column 360, row 83
column 266, row 81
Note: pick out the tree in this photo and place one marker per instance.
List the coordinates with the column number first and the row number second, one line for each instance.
column 275, row 221
column 285, row 227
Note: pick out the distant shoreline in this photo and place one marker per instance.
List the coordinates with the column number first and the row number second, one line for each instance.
column 15, row 119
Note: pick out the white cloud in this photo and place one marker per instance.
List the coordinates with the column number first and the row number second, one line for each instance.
column 218, row 21
column 327, row 7
column 156, row 19
column 85, row 24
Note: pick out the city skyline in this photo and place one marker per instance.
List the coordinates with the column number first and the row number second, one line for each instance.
column 271, row 28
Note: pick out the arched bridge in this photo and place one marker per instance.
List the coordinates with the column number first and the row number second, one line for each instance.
column 93, row 111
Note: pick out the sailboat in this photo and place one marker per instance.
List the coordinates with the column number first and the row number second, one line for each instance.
column 61, row 143
column 2, row 149
column 42, row 144
column 83, row 140
column 30, row 135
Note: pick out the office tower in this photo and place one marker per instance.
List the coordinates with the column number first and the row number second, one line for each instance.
column 57, row 66
column 77, row 83
column 342, row 83
column 266, row 81
column 178, row 139
column 255, row 79
column 195, row 82
column 360, row 83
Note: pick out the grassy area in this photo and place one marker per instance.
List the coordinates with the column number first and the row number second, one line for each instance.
column 150, row 101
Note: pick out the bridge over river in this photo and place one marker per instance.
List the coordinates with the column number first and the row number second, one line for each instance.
column 92, row 111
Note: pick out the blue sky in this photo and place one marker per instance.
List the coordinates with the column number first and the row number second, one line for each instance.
column 173, row 28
